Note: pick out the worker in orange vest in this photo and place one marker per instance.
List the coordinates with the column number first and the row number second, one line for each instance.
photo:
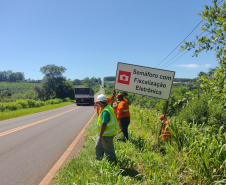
column 97, row 107
column 115, row 106
column 123, row 114
column 166, row 135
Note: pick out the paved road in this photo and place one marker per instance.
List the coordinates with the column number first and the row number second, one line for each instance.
column 31, row 145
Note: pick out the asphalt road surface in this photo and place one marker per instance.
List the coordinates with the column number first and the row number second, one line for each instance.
column 31, row 145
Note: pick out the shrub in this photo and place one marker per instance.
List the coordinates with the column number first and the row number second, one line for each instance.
column 216, row 114
column 2, row 107
column 23, row 103
column 196, row 111
column 67, row 99
column 31, row 103
column 53, row 101
column 13, row 106
column 39, row 103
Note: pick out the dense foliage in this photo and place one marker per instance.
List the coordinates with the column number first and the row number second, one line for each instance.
column 9, row 76
column 214, row 24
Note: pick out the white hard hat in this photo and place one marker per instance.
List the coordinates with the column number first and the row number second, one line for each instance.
column 101, row 97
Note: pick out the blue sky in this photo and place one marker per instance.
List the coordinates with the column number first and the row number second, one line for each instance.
column 89, row 37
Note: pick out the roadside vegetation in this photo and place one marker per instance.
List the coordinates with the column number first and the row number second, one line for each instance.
column 19, row 97
column 196, row 153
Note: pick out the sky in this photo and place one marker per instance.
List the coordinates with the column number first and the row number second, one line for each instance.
column 89, row 37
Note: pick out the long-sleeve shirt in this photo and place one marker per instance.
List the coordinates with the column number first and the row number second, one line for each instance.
column 123, row 109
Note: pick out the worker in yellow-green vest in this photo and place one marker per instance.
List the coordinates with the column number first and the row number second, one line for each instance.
column 107, row 127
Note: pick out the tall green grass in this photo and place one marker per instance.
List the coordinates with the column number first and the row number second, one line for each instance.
column 195, row 155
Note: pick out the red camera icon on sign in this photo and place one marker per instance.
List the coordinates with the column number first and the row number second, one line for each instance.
column 124, row 77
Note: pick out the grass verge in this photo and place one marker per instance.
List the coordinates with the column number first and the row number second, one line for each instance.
column 195, row 155
column 23, row 112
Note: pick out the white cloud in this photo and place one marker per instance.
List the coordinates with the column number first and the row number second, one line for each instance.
column 193, row 66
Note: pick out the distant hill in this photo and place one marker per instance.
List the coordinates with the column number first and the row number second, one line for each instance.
column 182, row 80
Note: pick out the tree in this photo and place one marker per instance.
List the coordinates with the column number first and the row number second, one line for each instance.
column 77, row 82
column 9, row 76
column 86, row 80
column 99, row 80
column 53, row 71
column 64, row 89
column 14, row 77
column 201, row 73
column 214, row 23
column 54, row 85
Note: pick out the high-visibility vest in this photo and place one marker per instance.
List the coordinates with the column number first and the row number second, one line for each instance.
column 112, row 126
column 123, row 109
column 165, row 130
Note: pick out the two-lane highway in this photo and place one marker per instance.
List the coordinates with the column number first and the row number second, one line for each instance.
column 31, row 145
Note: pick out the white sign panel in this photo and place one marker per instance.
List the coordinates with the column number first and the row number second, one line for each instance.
column 144, row 80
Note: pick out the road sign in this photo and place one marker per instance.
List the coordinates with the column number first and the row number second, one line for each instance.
column 144, row 80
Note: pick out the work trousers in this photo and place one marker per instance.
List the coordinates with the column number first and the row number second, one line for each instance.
column 105, row 146
column 125, row 123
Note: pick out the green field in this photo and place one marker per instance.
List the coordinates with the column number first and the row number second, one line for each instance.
column 17, row 90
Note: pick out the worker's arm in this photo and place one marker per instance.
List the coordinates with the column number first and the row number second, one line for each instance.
column 95, row 105
column 113, row 95
column 115, row 106
column 119, row 109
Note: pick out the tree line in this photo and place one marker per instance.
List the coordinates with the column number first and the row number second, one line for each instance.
column 87, row 80
column 53, row 85
column 10, row 76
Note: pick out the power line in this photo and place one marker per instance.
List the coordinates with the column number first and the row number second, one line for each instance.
column 180, row 52
column 180, row 43
column 185, row 52
column 177, row 58
column 183, row 41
